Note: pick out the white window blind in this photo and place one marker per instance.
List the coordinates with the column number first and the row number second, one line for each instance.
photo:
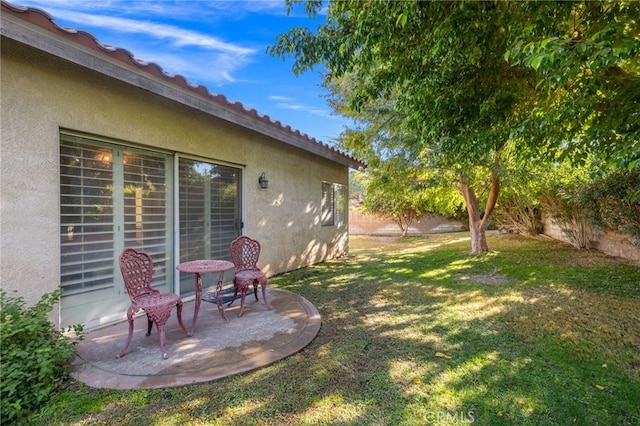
column 86, row 217
column 209, row 209
column 209, row 206
column 333, row 204
column 145, row 208
column 341, row 204
column 111, row 197
column 327, row 204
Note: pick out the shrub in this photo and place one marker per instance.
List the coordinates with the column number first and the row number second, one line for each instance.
column 35, row 355
column 616, row 199
column 518, row 214
column 607, row 203
column 571, row 208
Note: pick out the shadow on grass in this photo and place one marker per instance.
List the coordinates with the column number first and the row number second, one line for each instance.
column 417, row 338
column 412, row 334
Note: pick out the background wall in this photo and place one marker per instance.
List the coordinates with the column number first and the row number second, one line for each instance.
column 362, row 223
column 606, row 242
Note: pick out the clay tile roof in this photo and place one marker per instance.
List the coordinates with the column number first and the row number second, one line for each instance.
column 45, row 21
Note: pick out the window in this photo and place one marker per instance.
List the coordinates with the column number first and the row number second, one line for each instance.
column 114, row 196
column 334, row 204
column 86, row 217
column 111, row 197
column 209, row 205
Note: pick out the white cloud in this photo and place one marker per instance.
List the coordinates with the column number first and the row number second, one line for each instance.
column 272, row 7
column 285, row 102
column 179, row 37
column 304, row 108
column 199, row 57
column 206, row 68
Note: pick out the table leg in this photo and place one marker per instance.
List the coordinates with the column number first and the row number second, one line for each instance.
column 219, row 298
column 197, row 302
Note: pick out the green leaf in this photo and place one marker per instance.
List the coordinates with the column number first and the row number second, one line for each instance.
column 536, row 61
column 401, row 20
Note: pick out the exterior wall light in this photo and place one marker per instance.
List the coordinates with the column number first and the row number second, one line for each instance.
column 262, row 180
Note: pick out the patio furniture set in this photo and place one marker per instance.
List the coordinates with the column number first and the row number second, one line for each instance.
column 137, row 271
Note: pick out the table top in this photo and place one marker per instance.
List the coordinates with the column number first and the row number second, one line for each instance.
column 205, row 265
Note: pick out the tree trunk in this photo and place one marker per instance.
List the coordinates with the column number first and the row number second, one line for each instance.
column 479, row 221
column 478, row 238
column 404, row 221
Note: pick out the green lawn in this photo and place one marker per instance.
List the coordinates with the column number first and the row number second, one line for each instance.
column 416, row 331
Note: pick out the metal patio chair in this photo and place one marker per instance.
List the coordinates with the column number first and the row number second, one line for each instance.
column 245, row 252
column 137, row 271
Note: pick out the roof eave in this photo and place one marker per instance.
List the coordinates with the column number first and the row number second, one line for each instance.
column 37, row 29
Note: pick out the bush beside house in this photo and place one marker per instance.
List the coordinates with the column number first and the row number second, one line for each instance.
column 35, row 355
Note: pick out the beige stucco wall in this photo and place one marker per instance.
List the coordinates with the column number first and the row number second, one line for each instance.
column 41, row 94
column 362, row 223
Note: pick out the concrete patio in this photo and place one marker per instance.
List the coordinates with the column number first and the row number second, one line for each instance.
column 216, row 350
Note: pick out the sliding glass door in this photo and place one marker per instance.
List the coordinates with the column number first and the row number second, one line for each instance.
column 111, row 197
column 114, row 196
column 209, row 214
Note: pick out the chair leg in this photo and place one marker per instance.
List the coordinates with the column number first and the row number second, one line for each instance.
column 163, row 346
column 130, row 313
column 264, row 295
column 179, row 305
column 160, row 315
column 235, row 292
column 149, row 326
column 255, row 289
column 243, row 293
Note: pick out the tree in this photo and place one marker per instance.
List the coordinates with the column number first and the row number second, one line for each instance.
column 441, row 68
column 404, row 193
column 393, row 192
column 586, row 58
column 396, row 184
column 520, row 207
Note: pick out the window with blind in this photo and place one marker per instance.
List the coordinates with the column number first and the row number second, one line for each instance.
column 209, row 205
column 333, row 204
column 111, row 197
column 86, row 217
column 147, row 202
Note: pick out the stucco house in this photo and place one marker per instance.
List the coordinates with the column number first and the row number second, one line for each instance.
column 101, row 151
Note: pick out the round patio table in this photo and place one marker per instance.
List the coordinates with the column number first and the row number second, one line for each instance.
column 201, row 266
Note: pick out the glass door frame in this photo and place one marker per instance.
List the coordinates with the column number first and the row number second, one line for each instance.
column 176, row 209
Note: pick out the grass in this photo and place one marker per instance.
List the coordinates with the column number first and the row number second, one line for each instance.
column 416, row 331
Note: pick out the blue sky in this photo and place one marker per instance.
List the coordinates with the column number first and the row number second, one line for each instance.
column 218, row 44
